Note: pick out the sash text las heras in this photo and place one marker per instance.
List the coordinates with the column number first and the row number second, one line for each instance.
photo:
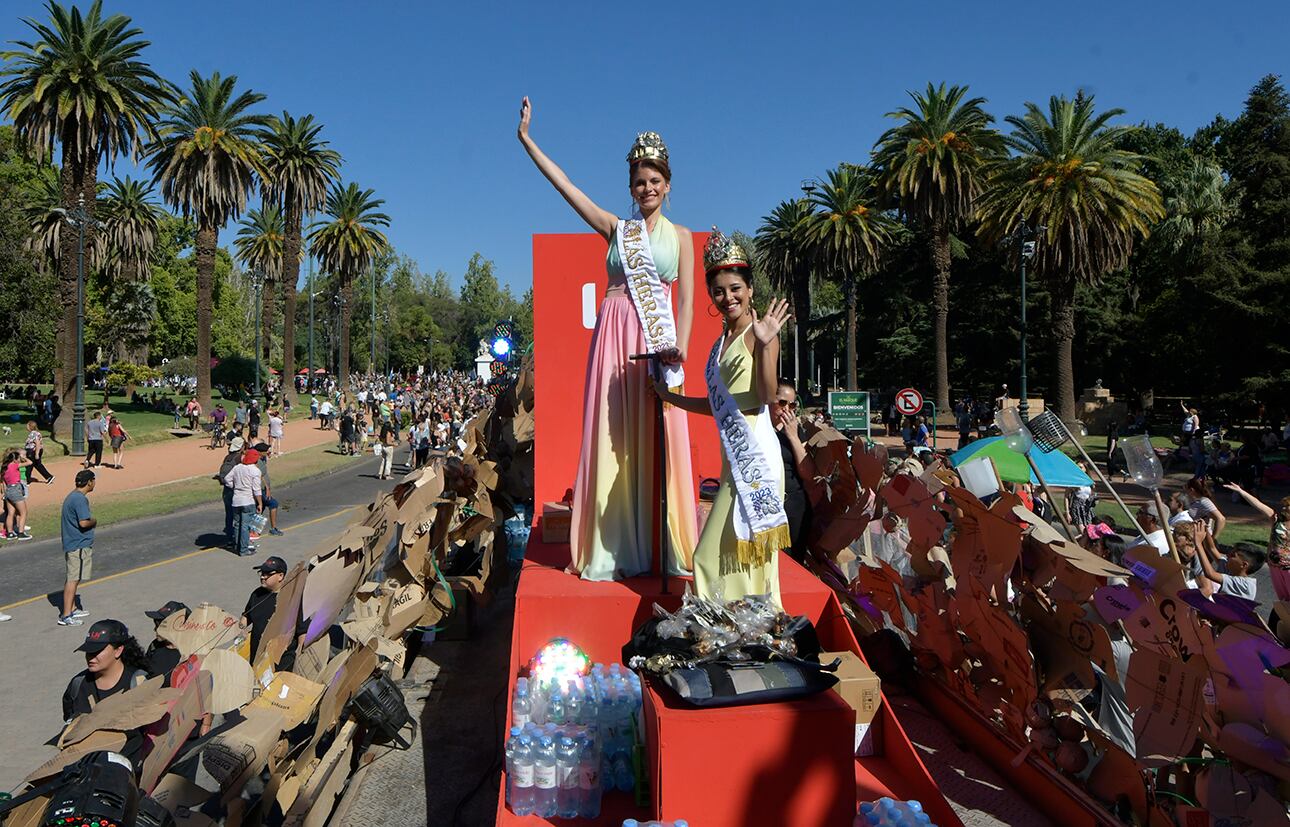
column 651, row 298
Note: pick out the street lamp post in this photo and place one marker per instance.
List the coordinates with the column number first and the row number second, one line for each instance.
column 257, row 278
column 309, row 374
column 808, row 189
column 1025, row 250
column 78, row 218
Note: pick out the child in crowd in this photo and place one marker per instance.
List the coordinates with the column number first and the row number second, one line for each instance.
column 1233, row 573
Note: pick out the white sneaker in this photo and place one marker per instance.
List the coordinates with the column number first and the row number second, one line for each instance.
column 80, row 613
column 4, row 617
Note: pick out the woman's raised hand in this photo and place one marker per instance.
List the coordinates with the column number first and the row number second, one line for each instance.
column 766, row 328
column 526, row 115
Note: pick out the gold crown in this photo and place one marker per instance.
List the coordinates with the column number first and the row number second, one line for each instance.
column 721, row 252
column 648, row 145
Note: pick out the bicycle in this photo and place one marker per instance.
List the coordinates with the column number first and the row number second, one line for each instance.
column 217, row 435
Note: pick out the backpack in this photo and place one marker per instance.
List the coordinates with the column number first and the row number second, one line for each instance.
column 137, row 677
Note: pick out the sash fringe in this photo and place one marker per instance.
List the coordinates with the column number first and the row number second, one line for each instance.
column 763, row 546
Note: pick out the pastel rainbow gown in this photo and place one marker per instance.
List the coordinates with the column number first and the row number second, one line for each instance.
column 614, row 497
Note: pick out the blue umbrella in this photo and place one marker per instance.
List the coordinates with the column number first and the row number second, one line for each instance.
column 1056, row 468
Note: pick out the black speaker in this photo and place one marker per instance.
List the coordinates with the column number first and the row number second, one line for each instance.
column 99, row 790
column 379, row 707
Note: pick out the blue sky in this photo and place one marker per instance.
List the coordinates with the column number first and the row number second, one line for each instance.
column 421, row 98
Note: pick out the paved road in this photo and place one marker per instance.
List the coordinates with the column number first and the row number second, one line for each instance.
column 138, row 566
column 33, row 568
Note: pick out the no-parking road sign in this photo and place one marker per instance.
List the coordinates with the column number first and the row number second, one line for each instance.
column 909, row 401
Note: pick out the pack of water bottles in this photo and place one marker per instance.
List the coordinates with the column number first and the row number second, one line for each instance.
column 888, row 812
column 572, row 741
column 680, row 822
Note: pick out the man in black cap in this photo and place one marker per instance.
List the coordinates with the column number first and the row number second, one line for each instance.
column 114, row 662
column 163, row 657
column 261, row 605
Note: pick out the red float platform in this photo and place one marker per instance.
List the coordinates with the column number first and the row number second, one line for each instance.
column 784, row 764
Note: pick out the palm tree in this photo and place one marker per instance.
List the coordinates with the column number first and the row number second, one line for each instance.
column 207, row 157
column 784, row 258
column 131, row 220
column 43, row 211
column 933, row 163
column 1196, row 206
column 347, row 245
column 1086, row 198
column 80, row 85
column 298, row 168
column 847, row 236
column 259, row 244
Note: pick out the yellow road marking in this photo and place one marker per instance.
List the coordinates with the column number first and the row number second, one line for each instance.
column 178, row 559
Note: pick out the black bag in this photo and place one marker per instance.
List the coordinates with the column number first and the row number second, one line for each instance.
column 736, row 684
column 765, row 678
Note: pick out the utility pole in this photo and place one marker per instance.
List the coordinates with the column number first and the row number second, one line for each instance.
column 371, row 364
column 1025, row 251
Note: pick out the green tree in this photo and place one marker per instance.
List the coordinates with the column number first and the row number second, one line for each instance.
column 129, row 231
column 28, row 292
column 206, row 159
column 933, row 163
column 259, row 244
column 1067, row 176
column 299, row 167
column 480, row 308
column 81, row 86
column 848, row 235
column 347, row 241
column 784, row 259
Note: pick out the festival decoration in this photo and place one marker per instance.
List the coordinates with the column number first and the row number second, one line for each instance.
column 557, row 662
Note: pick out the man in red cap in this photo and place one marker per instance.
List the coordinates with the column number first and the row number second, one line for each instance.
column 245, row 481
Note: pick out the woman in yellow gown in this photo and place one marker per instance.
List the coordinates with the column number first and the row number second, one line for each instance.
column 738, row 551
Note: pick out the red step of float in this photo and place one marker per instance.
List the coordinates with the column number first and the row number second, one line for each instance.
column 787, row 764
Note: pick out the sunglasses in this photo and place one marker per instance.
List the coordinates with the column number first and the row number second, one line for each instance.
column 784, row 403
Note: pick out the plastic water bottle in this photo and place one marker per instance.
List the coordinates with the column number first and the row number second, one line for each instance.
column 566, row 767
column 624, row 778
column 522, row 705
column 511, row 744
column 544, row 778
column 588, row 780
column 522, row 790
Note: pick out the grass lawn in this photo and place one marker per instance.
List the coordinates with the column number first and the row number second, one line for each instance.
column 171, row 497
column 143, row 424
column 1096, row 446
column 1233, row 532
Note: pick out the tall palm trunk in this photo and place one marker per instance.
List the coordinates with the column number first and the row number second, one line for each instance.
column 266, row 324
column 941, row 309
column 290, row 275
column 207, row 236
column 1063, row 297
column 852, row 384
column 346, row 310
column 801, row 318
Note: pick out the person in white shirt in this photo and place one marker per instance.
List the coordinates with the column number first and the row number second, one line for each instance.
column 1150, row 522
column 248, row 486
column 275, row 434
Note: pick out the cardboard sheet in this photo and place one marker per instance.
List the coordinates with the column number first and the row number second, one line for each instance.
column 232, row 680
column 282, row 626
column 181, row 798
column 291, row 696
column 1165, row 695
column 328, row 589
column 204, row 628
column 186, row 714
column 134, row 708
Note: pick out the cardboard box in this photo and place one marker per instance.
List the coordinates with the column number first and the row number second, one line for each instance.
column 556, row 521
column 862, row 690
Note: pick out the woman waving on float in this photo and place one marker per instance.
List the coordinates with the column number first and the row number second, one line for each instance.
column 614, row 494
column 738, row 553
